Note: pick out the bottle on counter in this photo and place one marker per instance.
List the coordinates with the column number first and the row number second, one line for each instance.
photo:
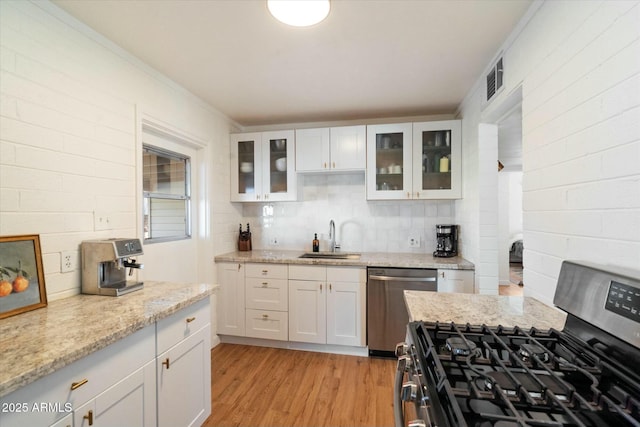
column 316, row 243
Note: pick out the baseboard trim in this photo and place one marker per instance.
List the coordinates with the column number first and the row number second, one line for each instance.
column 292, row 345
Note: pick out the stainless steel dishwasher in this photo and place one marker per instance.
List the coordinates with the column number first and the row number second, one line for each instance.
column 387, row 316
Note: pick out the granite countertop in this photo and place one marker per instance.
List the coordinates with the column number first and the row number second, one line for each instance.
column 367, row 259
column 48, row 339
column 476, row 309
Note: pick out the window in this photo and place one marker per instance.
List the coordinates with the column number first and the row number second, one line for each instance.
column 167, row 195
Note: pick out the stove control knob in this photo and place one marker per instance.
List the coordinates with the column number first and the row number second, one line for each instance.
column 409, row 391
column 401, row 349
column 417, row 423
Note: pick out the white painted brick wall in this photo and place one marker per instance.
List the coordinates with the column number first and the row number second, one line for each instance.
column 579, row 66
column 68, row 138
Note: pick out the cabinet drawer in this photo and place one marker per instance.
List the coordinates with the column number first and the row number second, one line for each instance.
column 273, row 271
column 346, row 274
column 307, row 272
column 180, row 325
column 273, row 325
column 267, row 294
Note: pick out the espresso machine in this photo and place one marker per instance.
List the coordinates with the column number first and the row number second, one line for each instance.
column 105, row 264
column 446, row 241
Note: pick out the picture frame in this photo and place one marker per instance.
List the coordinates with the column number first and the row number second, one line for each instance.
column 22, row 286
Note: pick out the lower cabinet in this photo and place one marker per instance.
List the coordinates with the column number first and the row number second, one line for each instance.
column 127, row 383
column 266, row 301
column 184, row 367
column 461, row 281
column 327, row 305
column 130, row 402
column 231, row 299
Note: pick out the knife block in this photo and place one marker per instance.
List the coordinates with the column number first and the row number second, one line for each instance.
column 244, row 241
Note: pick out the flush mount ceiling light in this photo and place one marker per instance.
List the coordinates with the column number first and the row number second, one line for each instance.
column 299, row 13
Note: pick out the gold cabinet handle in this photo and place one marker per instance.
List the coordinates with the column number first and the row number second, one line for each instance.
column 330, row 287
column 265, row 284
column 79, row 384
column 265, row 316
column 320, row 287
column 334, row 165
column 191, row 319
column 265, row 271
column 325, row 165
column 89, row 417
column 166, row 362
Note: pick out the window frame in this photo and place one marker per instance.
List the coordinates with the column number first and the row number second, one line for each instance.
column 148, row 196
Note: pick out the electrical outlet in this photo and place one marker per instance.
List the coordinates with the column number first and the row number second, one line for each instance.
column 68, row 261
column 273, row 241
column 414, row 241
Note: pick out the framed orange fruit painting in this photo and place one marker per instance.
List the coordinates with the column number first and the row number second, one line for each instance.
column 21, row 275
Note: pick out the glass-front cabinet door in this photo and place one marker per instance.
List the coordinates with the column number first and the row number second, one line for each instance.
column 437, row 160
column 389, row 161
column 263, row 167
column 246, row 171
column 278, row 153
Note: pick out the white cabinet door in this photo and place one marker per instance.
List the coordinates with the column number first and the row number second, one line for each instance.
column 345, row 313
column 184, row 382
column 312, row 150
column 307, row 311
column 231, row 299
column 348, row 148
column 246, row 167
column 263, row 166
column 461, row 281
column 278, row 166
column 389, row 161
column 130, row 402
column 437, row 155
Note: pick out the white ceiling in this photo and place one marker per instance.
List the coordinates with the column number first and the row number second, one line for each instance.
column 368, row 59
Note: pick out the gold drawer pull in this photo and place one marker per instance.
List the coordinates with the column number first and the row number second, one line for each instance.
column 166, row 362
column 265, row 316
column 89, row 417
column 79, row 384
column 265, row 284
column 191, row 319
column 265, row 271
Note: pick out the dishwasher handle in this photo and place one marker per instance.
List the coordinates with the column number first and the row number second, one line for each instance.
column 403, row 279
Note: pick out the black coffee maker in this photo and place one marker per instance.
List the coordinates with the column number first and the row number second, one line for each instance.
column 446, row 241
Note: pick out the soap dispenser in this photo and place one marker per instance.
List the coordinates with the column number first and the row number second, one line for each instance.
column 316, row 243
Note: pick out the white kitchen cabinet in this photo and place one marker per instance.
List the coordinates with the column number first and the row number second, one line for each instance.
column 461, row 281
column 266, row 301
column 437, row 165
column 327, row 305
column 331, row 149
column 231, row 299
column 389, row 161
column 130, row 402
column 184, row 368
column 114, row 376
column 263, row 167
column 64, row 422
column 408, row 161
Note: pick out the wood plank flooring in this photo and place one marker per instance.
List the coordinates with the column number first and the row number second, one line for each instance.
column 259, row 386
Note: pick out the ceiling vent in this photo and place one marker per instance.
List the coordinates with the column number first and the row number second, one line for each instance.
column 495, row 79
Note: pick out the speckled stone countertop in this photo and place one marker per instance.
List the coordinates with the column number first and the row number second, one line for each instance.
column 48, row 339
column 490, row 310
column 367, row 259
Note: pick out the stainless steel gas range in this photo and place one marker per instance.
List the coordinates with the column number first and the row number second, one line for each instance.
column 586, row 375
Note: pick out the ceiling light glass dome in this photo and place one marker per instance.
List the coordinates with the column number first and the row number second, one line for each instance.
column 299, row 13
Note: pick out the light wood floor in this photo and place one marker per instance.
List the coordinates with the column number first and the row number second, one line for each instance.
column 258, row 386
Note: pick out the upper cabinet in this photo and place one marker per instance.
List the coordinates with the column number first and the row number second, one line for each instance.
column 262, row 167
column 414, row 161
column 437, row 172
column 331, row 149
column 389, row 161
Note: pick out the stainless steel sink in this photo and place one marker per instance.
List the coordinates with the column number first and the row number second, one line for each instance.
column 330, row 255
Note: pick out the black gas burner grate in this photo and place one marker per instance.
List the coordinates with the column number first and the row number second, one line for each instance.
column 496, row 376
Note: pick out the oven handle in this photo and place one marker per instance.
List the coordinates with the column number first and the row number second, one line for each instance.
column 398, row 413
column 403, row 279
